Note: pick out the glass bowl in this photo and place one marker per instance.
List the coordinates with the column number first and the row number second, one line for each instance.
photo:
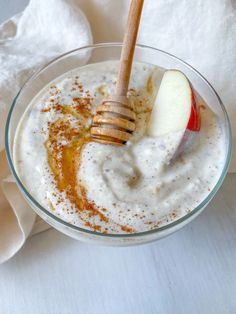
column 99, row 53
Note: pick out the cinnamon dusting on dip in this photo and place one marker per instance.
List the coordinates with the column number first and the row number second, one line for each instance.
column 64, row 145
column 101, row 187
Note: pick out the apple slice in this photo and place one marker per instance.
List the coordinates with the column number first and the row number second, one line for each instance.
column 175, row 112
column 175, row 108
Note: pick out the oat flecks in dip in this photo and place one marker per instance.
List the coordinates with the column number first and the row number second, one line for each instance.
column 112, row 189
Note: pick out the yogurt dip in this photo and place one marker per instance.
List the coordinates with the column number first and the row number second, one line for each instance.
column 134, row 188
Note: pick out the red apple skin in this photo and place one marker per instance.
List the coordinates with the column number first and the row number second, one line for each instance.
column 194, row 122
column 191, row 134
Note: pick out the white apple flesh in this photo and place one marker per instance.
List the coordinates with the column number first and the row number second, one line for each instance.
column 175, row 109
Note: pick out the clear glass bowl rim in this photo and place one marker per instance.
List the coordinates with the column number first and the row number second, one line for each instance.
column 110, row 235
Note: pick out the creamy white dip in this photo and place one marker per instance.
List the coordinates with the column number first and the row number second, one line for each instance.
column 133, row 188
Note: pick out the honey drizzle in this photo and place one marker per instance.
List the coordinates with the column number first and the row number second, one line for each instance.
column 64, row 150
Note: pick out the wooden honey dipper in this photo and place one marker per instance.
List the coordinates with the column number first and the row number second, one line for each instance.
column 114, row 121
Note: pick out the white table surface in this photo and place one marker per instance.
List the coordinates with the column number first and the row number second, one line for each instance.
column 192, row 271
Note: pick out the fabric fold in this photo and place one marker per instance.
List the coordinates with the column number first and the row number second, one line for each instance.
column 17, row 221
column 29, row 40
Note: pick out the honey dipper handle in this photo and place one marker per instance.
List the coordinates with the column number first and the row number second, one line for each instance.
column 128, row 47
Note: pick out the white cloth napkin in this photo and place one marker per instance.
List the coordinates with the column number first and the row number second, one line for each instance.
column 44, row 30
column 202, row 32
column 199, row 32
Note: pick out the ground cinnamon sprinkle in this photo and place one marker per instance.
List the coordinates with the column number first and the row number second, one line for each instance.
column 91, row 207
column 45, row 109
column 64, row 159
column 127, row 229
column 93, row 227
